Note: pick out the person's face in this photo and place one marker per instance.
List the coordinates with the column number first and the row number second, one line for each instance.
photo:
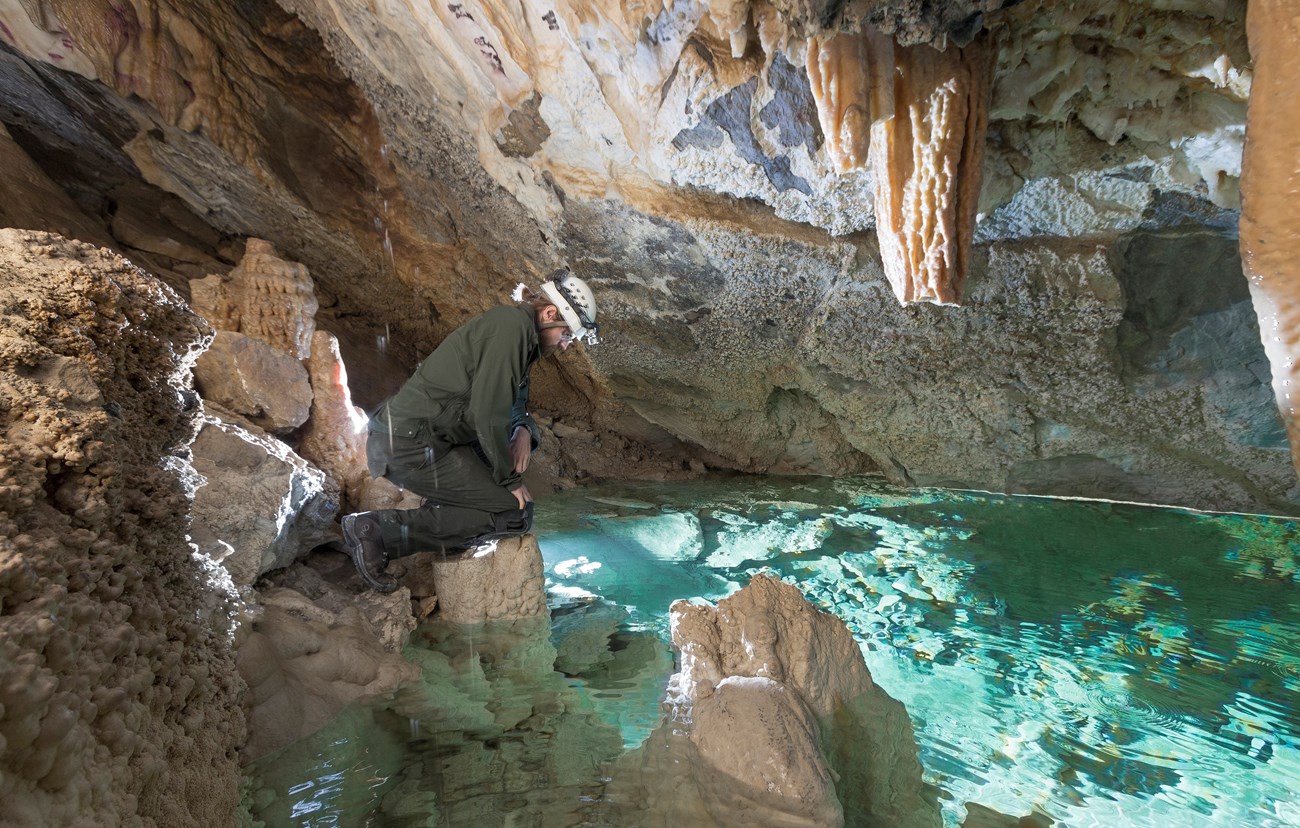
column 554, row 339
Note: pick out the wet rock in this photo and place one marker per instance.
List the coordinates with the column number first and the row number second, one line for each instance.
column 492, row 583
column 761, row 744
column 787, row 706
column 306, row 659
column 262, row 505
column 253, row 379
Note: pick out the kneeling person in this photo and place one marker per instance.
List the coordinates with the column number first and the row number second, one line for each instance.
column 458, row 433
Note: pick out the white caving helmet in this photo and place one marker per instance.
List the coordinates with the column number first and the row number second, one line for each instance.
column 575, row 302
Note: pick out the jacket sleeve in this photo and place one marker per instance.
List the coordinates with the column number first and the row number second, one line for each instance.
column 502, row 367
column 519, row 415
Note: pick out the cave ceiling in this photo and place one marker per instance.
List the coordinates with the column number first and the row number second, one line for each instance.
column 885, row 236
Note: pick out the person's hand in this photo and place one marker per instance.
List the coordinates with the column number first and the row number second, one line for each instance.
column 521, row 448
column 521, row 494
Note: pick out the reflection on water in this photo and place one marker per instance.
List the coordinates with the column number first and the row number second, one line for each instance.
column 1100, row 664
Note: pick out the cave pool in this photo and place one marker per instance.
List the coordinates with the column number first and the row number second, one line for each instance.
column 1097, row 663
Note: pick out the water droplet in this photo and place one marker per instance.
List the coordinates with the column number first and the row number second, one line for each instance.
column 381, row 343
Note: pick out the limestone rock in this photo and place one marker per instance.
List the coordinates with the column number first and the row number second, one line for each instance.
column 249, row 377
column 119, row 704
column 765, row 655
column 305, row 660
column 1269, row 180
column 382, row 493
column 761, row 741
column 262, row 505
column 928, row 161
column 492, row 583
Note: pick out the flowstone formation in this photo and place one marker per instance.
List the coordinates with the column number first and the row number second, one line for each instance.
column 119, row 701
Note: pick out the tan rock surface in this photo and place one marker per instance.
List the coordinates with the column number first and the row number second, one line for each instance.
column 264, row 297
column 334, row 438
column 498, row 582
column 251, row 378
column 118, row 695
column 1270, row 177
column 779, row 684
column 261, row 506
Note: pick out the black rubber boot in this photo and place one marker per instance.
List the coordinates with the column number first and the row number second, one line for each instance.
column 365, row 542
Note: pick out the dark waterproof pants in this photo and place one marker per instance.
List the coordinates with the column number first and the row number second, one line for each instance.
column 463, row 502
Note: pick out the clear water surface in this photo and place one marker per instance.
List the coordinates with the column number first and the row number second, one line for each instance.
column 1096, row 663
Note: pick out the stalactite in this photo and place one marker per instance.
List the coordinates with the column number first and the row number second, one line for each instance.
column 926, row 160
column 917, row 116
column 837, row 72
column 1270, row 187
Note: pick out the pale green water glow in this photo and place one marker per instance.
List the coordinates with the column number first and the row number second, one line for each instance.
column 1102, row 664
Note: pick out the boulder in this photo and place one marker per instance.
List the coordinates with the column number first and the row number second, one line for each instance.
column 249, row 377
column 262, row 506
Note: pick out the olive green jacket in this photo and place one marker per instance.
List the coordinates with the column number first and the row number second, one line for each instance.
column 473, row 387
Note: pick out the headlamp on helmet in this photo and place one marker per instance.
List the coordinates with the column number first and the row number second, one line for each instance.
column 576, row 304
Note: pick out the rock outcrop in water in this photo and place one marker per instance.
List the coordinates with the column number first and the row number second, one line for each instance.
column 774, row 719
column 119, row 701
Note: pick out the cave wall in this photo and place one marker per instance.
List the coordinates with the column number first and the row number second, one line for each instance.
column 421, row 158
column 119, row 700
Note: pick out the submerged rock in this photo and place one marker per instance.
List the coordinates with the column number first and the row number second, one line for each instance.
column 315, row 649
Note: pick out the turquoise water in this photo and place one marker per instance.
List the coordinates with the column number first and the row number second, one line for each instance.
column 1099, row 664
